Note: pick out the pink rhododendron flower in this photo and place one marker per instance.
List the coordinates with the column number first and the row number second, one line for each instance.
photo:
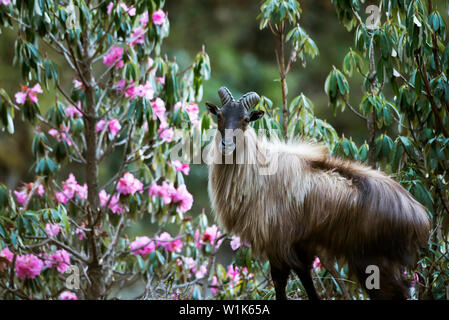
column 129, row 185
column 235, row 243
column 52, row 229
column 61, row 259
column 317, row 264
column 80, row 232
column 168, row 243
column 211, row 234
column 109, row 7
column 22, row 196
column 142, row 246
column 121, row 84
column 144, row 19
column 24, row 193
column 143, row 90
column 190, row 263
column 70, row 188
column 167, row 192
column 28, row 266
column 131, row 11
column 101, row 125
column 233, row 274
column 159, row 109
column 191, row 108
column 114, row 127
column 67, row 295
column 137, row 36
column 5, row 2
column 158, row 17
column 183, row 195
column 113, row 205
column 201, row 272
column 170, row 194
column 31, row 93
column 161, row 80
column 181, row 167
column 114, row 56
column 166, row 134
column 150, row 66
column 61, row 135
column 7, row 254
column 214, row 283
column 61, row 197
column 104, row 197
column 73, row 112
column 77, row 84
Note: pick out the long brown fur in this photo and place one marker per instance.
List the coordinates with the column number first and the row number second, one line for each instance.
column 316, row 204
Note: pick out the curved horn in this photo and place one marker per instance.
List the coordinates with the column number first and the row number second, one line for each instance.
column 225, row 95
column 249, row 100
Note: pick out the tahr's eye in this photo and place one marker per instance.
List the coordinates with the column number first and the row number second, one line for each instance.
column 246, row 119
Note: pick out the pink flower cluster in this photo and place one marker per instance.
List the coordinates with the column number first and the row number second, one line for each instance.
column 191, row 108
column 170, row 194
column 166, row 134
column 317, row 264
column 114, row 57
column 6, row 254
column 181, row 167
column 170, row 244
column 61, row 135
column 237, row 243
column 159, row 111
column 28, row 266
column 191, row 265
column 143, row 246
column 159, row 17
column 210, row 235
column 128, row 184
column 60, row 259
column 73, row 112
column 137, row 36
column 80, row 232
column 132, row 91
column 24, row 193
column 113, row 126
column 235, row 274
column 70, row 188
column 31, row 93
column 5, row 2
column 67, row 295
column 114, row 204
column 131, row 11
column 52, row 229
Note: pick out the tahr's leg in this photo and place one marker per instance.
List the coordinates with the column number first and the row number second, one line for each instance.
column 307, row 282
column 279, row 276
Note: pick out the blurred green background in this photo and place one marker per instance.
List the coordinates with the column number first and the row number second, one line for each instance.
column 242, row 58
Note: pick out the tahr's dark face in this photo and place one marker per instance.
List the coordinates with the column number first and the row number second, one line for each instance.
column 232, row 116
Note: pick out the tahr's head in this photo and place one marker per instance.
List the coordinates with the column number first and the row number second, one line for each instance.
column 234, row 115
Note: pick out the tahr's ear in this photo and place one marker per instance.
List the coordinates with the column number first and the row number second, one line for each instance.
column 212, row 108
column 256, row 115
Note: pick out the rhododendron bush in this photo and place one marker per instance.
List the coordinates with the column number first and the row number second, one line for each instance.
column 64, row 234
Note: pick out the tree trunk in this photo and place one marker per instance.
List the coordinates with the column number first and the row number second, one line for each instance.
column 96, row 286
column 371, row 120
